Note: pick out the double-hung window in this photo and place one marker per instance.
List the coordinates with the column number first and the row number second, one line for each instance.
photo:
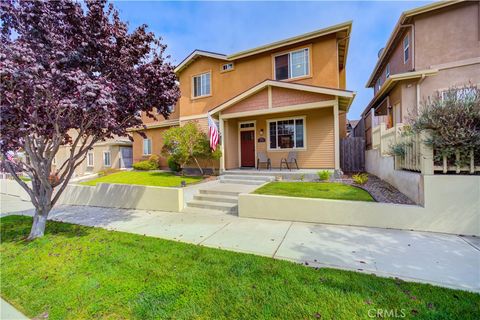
column 147, row 147
column 201, row 85
column 293, row 64
column 90, row 159
column 387, row 70
column 286, row 133
column 406, row 49
column 106, row 159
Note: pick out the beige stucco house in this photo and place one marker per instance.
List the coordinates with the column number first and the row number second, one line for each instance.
column 113, row 153
column 432, row 48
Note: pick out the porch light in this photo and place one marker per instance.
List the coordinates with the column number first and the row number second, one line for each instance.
column 261, row 132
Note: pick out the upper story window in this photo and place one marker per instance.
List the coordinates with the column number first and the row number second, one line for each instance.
column 227, row 67
column 201, row 85
column 379, row 84
column 292, row 64
column 406, row 49
column 387, row 70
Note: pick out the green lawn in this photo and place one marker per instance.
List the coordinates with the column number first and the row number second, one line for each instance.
column 325, row 190
column 144, row 178
column 77, row 272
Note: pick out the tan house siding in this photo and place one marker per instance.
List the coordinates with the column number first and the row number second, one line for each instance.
column 231, row 142
column 319, row 152
column 255, row 102
column 286, row 97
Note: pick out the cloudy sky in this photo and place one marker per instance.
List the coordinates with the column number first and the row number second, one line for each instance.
column 229, row 27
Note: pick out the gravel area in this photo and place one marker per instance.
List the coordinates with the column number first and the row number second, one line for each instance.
column 380, row 190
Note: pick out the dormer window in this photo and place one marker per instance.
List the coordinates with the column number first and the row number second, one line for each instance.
column 201, row 85
column 291, row 65
column 227, row 67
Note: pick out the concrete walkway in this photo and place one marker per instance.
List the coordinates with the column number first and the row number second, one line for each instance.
column 8, row 312
column 440, row 259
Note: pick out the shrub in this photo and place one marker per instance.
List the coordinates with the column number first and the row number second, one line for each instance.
column 360, row 178
column 324, row 175
column 153, row 163
column 173, row 165
column 452, row 119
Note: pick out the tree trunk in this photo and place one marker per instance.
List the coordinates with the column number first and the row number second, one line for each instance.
column 39, row 223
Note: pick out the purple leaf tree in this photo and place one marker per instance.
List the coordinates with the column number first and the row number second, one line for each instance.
column 72, row 76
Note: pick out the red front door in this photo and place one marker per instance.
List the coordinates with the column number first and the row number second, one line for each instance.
column 247, row 148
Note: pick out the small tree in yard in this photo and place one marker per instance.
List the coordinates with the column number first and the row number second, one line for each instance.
column 453, row 120
column 73, row 77
column 186, row 144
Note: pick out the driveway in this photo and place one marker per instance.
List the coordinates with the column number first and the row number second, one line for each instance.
column 440, row 259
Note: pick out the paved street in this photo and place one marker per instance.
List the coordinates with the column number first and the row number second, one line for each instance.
column 440, row 259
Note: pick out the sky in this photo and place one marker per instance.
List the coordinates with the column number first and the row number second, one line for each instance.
column 229, row 27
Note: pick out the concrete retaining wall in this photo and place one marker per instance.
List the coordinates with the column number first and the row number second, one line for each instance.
column 452, row 205
column 111, row 195
column 408, row 183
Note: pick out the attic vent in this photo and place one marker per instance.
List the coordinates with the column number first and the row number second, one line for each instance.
column 227, row 67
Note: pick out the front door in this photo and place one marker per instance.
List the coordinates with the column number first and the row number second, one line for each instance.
column 247, row 148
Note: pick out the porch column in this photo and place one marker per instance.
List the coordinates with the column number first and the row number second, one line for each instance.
column 336, row 130
column 222, row 144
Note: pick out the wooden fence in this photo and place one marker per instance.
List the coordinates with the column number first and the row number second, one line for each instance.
column 352, row 154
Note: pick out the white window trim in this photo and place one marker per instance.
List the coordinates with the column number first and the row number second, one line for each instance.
column 193, row 85
column 304, row 118
column 143, row 147
column 109, row 158
column 406, row 48
column 88, row 159
column 289, row 53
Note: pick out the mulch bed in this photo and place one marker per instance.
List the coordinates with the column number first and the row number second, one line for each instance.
column 380, row 190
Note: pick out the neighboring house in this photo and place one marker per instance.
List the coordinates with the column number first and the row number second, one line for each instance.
column 110, row 154
column 351, row 124
column 432, row 48
column 286, row 96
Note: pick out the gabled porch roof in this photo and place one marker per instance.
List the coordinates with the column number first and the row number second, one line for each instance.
column 345, row 97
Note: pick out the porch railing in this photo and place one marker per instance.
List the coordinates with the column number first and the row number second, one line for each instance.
column 417, row 155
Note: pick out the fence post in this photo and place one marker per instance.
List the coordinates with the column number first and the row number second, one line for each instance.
column 426, row 155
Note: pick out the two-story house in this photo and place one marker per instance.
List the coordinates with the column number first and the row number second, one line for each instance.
column 286, row 96
column 432, row 48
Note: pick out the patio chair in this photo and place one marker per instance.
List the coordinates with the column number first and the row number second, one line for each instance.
column 263, row 158
column 291, row 158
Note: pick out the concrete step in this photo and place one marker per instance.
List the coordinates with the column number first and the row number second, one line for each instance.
column 223, row 206
column 204, row 211
column 216, row 198
column 241, row 181
column 246, row 177
column 220, row 192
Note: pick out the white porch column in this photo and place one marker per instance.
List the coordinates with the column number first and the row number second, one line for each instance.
column 336, row 131
column 222, row 145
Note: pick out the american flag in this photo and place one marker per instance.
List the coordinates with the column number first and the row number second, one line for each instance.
column 212, row 133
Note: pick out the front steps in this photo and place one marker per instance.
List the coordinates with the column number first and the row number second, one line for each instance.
column 223, row 198
column 214, row 200
column 245, row 179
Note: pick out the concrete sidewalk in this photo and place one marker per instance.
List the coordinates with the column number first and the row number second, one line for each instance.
column 8, row 312
column 440, row 259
